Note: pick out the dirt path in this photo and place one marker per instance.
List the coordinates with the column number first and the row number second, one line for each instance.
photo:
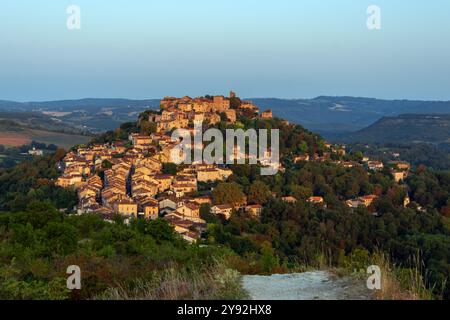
column 315, row 285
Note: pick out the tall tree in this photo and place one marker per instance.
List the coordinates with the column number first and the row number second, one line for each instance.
column 258, row 193
column 228, row 193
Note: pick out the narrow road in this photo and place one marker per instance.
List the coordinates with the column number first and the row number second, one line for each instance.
column 315, row 285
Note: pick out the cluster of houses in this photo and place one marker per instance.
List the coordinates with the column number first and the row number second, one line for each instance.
column 179, row 112
column 128, row 178
column 338, row 150
column 133, row 184
column 399, row 171
column 365, row 201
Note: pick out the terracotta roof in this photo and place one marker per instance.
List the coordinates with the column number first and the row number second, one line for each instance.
column 192, row 206
column 223, row 206
column 369, row 197
column 254, row 206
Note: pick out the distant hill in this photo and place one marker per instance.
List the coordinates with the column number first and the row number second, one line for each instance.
column 93, row 104
column 406, row 128
column 94, row 115
column 16, row 121
column 68, row 105
column 332, row 115
column 11, row 105
column 19, row 128
column 326, row 115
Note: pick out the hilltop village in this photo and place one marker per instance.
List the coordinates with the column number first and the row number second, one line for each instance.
column 128, row 177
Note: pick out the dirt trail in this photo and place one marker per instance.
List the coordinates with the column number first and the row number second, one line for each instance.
column 314, row 285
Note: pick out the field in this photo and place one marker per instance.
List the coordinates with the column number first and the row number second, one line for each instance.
column 13, row 139
column 62, row 140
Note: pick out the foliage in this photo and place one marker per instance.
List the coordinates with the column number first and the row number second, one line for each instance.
column 169, row 168
column 34, row 180
column 147, row 127
column 308, row 235
column 258, row 193
column 39, row 243
column 228, row 193
column 175, row 283
column 433, row 156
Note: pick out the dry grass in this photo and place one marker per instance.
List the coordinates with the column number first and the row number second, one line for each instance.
column 396, row 283
column 211, row 283
column 401, row 284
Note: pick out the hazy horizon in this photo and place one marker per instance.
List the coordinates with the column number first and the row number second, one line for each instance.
column 220, row 93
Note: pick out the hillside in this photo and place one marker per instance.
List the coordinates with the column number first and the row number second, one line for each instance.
column 435, row 157
column 68, row 105
column 406, row 128
column 26, row 136
column 16, row 121
column 93, row 115
column 285, row 236
column 324, row 114
column 331, row 115
column 19, row 128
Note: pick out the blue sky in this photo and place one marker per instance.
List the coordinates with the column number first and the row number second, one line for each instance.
column 259, row 48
